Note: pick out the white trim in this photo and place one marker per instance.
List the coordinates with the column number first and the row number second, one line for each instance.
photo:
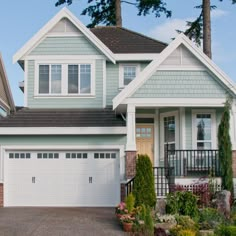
column 177, row 132
column 182, row 128
column 61, row 130
column 64, row 58
column 156, row 138
column 6, row 86
column 131, row 128
column 175, row 102
column 181, row 68
column 26, row 83
column 121, row 72
column 64, row 13
column 154, row 66
column 104, row 81
column 212, row 112
column 64, row 77
column 5, row 104
column 135, row 56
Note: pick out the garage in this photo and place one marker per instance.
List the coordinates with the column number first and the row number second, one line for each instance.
column 61, row 178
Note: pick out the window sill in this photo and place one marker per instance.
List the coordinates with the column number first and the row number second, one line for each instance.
column 64, row 96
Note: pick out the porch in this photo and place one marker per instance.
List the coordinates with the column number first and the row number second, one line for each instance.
column 193, row 163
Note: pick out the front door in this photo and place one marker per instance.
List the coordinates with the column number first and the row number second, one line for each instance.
column 145, row 140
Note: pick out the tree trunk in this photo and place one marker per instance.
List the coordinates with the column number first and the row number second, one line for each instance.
column 118, row 13
column 206, row 8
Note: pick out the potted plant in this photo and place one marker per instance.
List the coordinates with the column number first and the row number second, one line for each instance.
column 121, row 210
column 127, row 221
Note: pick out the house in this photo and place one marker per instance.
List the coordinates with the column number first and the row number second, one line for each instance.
column 93, row 99
column 6, row 100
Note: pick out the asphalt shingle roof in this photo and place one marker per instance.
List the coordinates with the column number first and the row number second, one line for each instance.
column 63, row 118
column 121, row 40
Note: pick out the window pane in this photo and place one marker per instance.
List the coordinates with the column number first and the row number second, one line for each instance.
column 169, row 129
column 43, row 78
column 203, row 124
column 73, row 79
column 56, row 79
column 129, row 74
column 204, row 145
column 85, row 78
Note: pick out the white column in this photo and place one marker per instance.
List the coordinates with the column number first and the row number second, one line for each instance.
column 233, row 125
column 131, row 128
column 182, row 128
column 156, row 139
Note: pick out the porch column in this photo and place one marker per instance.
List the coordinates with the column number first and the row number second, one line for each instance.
column 232, row 136
column 130, row 163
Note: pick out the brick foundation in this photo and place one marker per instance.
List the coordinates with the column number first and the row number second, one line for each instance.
column 1, row 195
column 234, row 162
column 130, row 164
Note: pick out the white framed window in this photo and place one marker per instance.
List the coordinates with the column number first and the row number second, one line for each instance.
column 65, row 79
column 127, row 72
column 203, row 129
column 169, row 133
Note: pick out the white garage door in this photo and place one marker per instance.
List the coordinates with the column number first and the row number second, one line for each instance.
column 51, row 178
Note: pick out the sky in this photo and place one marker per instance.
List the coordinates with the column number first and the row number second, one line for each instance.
column 20, row 20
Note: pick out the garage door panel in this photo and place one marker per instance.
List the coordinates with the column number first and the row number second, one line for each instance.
column 52, row 178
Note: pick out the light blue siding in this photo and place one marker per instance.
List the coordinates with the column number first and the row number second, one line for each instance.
column 113, row 79
column 181, row 84
column 63, row 140
column 66, row 102
column 65, row 46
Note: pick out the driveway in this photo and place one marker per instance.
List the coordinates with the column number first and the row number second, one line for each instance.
column 22, row 221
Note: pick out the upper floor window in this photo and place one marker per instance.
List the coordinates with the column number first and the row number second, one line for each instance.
column 79, row 79
column 49, row 79
column 127, row 73
column 65, row 79
column 204, row 130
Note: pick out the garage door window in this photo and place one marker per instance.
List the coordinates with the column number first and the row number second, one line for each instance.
column 78, row 155
column 47, row 155
column 18, row 155
column 103, row 155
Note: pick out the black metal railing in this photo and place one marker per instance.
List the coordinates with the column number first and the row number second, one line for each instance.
column 164, row 181
column 193, row 162
column 129, row 186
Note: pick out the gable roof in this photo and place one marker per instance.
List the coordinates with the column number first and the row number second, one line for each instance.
column 6, row 87
column 153, row 66
column 64, row 13
column 122, row 40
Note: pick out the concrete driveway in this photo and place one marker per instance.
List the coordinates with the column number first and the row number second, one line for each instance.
column 22, row 221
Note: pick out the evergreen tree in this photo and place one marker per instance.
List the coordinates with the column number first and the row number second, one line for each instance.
column 144, row 191
column 225, row 148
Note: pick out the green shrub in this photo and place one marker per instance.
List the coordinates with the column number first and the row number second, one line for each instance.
column 210, row 218
column 129, row 201
column 144, row 191
column 186, row 232
column 148, row 222
column 182, row 203
column 183, row 223
column 224, row 230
